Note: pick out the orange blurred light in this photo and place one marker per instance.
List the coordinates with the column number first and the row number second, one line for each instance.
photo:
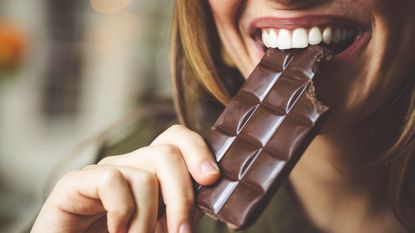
column 12, row 44
column 109, row 6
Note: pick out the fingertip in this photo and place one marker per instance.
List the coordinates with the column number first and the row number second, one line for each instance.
column 209, row 173
column 209, row 168
column 209, row 180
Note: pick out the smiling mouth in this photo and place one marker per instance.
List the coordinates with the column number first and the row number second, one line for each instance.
column 338, row 35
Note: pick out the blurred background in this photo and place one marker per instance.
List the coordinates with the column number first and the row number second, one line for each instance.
column 68, row 70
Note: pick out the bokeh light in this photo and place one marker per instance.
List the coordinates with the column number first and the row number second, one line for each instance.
column 12, row 44
column 69, row 70
column 114, row 32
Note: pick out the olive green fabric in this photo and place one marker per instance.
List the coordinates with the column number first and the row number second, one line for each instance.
column 282, row 215
column 140, row 130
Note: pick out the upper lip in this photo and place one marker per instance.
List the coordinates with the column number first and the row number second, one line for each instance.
column 304, row 22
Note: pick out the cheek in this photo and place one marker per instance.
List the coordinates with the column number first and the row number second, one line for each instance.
column 226, row 14
column 385, row 69
column 394, row 50
column 224, row 10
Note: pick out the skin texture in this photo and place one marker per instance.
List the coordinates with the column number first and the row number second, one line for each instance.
column 121, row 193
column 340, row 199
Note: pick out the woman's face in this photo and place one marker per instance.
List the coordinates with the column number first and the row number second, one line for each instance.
column 373, row 39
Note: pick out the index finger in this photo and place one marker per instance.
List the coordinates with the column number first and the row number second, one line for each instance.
column 198, row 158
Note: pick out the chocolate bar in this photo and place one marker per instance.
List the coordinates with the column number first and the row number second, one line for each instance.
column 262, row 133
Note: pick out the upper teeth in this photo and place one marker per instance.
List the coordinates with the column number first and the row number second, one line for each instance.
column 301, row 37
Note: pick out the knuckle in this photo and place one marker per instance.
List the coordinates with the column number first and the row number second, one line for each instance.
column 188, row 199
column 67, row 178
column 147, row 179
column 183, row 201
column 169, row 150
column 107, row 160
column 111, row 175
column 90, row 166
column 123, row 210
column 184, row 132
column 127, row 209
column 184, row 204
column 177, row 128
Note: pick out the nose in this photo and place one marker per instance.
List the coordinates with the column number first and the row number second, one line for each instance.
column 295, row 4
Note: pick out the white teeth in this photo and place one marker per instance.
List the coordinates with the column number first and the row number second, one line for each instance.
column 272, row 38
column 327, row 35
column 265, row 39
column 284, row 39
column 336, row 36
column 314, row 36
column 300, row 38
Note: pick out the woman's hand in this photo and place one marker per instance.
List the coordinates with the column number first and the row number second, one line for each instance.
column 121, row 193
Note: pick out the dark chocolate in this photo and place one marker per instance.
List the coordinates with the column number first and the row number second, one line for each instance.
column 261, row 135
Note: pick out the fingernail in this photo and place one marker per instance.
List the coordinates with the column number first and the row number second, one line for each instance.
column 209, row 168
column 185, row 228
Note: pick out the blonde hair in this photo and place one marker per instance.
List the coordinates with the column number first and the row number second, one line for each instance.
column 199, row 91
column 401, row 157
column 195, row 75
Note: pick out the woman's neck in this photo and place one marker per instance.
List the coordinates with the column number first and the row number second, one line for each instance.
column 337, row 187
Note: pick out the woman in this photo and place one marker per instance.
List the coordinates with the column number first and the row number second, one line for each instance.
column 356, row 176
